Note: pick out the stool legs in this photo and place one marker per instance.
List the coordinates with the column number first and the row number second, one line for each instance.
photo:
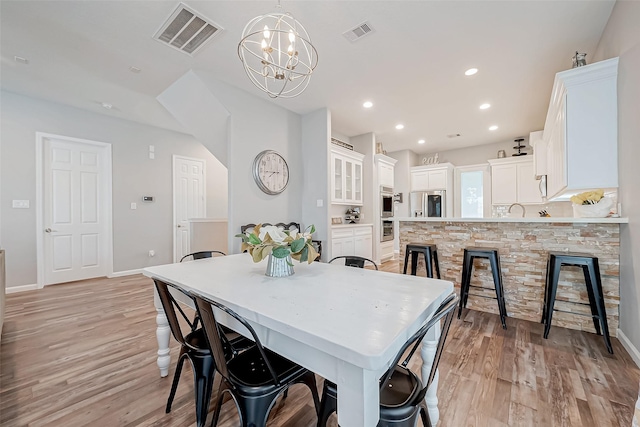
column 592, row 299
column 406, row 261
column 497, row 279
column 430, row 258
column 599, row 297
column 467, row 269
column 593, row 282
column 552, row 285
column 466, row 279
column 435, row 258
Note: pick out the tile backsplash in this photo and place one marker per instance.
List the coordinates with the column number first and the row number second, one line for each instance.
column 555, row 209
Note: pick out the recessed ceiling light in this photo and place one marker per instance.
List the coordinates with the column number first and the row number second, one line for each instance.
column 107, row 105
column 368, row 104
column 21, row 60
column 421, row 141
column 470, row 71
column 494, row 127
column 485, row 106
column 134, row 69
column 400, row 126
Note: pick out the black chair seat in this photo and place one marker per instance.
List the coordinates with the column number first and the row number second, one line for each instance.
column 249, row 369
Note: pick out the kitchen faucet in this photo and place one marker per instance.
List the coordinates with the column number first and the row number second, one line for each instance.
column 518, row 204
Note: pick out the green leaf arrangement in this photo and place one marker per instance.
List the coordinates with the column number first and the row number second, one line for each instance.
column 269, row 240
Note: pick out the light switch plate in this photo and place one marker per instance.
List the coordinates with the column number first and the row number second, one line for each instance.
column 134, row 206
column 20, row 204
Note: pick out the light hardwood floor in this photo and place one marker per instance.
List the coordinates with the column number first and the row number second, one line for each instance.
column 84, row 353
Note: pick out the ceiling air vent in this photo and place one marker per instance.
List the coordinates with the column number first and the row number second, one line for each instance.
column 358, row 32
column 186, row 30
column 341, row 144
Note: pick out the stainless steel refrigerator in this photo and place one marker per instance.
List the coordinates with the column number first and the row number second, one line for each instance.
column 427, row 203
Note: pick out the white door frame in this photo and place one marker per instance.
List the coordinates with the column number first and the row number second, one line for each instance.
column 39, row 202
column 173, row 186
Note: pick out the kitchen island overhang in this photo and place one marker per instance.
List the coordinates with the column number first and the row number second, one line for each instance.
column 523, row 245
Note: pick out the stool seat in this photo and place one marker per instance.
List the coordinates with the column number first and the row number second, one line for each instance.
column 430, row 252
column 471, row 253
column 593, row 282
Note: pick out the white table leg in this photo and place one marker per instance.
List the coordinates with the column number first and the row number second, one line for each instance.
column 163, row 333
column 428, row 353
column 358, row 397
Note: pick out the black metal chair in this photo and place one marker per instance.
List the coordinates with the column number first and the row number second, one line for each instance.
column 255, row 377
column 401, row 391
column 202, row 254
column 354, row 261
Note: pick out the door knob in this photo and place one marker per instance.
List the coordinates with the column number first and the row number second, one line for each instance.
column 179, row 226
column 48, row 230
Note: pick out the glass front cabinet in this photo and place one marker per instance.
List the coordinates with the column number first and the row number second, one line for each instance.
column 346, row 177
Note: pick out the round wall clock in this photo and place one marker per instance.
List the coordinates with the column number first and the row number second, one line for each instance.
column 271, row 172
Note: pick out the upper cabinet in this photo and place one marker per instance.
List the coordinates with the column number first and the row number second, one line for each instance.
column 581, row 130
column 513, row 181
column 432, row 177
column 346, row 177
column 385, row 166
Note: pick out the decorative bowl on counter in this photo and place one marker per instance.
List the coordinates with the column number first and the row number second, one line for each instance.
column 596, row 210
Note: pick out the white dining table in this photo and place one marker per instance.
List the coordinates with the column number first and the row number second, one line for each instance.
column 345, row 324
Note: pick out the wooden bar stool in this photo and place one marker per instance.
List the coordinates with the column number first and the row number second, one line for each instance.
column 430, row 258
column 593, row 282
column 467, row 267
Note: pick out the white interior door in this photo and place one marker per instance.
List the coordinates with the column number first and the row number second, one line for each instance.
column 74, row 219
column 189, row 189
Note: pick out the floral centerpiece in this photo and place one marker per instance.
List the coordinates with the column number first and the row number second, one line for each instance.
column 280, row 246
column 591, row 204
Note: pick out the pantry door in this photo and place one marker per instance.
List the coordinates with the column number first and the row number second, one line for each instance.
column 189, row 202
column 76, row 205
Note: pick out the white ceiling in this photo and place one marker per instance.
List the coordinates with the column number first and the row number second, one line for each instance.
column 412, row 66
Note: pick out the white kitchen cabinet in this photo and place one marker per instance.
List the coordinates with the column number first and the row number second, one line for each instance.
column 385, row 165
column 432, row 177
column 352, row 240
column 513, row 181
column 539, row 145
column 386, row 251
column 581, row 130
column 346, row 177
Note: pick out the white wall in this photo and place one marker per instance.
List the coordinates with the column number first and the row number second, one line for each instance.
column 255, row 124
column 135, row 232
column 621, row 37
column 478, row 154
column 316, row 128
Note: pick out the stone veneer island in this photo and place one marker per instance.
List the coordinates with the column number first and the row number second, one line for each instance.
column 523, row 245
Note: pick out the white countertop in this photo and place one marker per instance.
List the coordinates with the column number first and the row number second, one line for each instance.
column 351, row 225
column 528, row 220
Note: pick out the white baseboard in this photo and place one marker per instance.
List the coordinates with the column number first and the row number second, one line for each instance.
column 125, row 273
column 633, row 351
column 23, row 288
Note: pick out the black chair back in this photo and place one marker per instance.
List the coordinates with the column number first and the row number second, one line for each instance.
column 169, row 304
column 217, row 342
column 446, row 311
column 202, row 254
column 354, row 261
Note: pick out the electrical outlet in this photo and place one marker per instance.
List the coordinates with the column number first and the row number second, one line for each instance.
column 152, row 253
